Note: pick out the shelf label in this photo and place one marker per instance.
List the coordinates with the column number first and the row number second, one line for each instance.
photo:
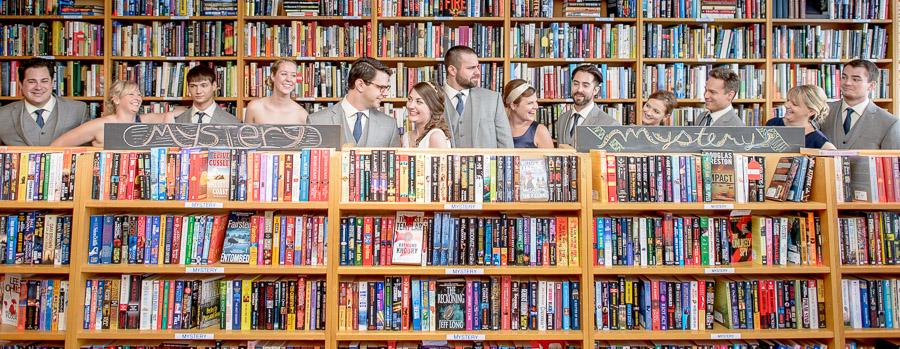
column 718, row 206
column 725, row 336
column 46, row 57
column 574, row 59
column 706, row 59
column 72, row 17
column 443, row 18
column 175, row 58
column 462, row 206
column 306, row 99
column 603, row 19
column 440, row 59
column 831, row 60
column 352, row 17
column 719, row 270
column 191, row 204
column 178, row 18
column 194, row 336
column 825, row 152
column 465, row 337
column 704, row 19
column 465, row 271
column 860, row 20
column 300, row 58
column 204, row 270
column 176, row 99
column 740, row 213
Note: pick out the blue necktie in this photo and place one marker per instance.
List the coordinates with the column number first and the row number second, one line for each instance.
column 708, row 118
column 40, row 118
column 460, row 105
column 575, row 123
column 200, row 116
column 357, row 127
column 847, row 121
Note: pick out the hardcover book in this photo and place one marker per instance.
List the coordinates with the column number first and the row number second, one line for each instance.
column 409, row 228
column 219, row 173
column 722, row 174
column 534, row 180
column 236, row 247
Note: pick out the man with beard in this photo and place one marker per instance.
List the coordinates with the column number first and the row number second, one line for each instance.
column 42, row 116
column 586, row 80
column 721, row 87
column 477, row 117
column 854, row 122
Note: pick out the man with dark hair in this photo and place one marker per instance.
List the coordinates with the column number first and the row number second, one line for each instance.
column 721, row 87
column 586, row 80
column 202, row 87
column 363, row 125
column 41, row 117
column 854, row 122
column 476, row 115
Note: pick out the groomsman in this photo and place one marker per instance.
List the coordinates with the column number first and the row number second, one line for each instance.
column 202, row 87
column 42, row 116
column 586, row 80
column 721, row 87
column 476, row 115
column 854, row 122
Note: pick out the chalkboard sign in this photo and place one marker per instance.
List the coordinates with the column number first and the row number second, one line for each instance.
column 142, row 136
column 689, row 139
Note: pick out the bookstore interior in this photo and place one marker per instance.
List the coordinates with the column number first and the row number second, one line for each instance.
column 304, row 241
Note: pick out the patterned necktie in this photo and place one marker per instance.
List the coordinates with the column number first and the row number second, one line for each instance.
column 200, row 116
column 847, row 121
column 357, row 127
column 572, row 131
column 40, row 118
column 460, row 105
column 708, row 118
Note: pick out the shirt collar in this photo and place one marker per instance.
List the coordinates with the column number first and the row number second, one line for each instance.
column 48, row 107
column 584, row 112
column 452, row 92
column 857, row 109
column 209, row 111
column 350, row 111
column 718, row 114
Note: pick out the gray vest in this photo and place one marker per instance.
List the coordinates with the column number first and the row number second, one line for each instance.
column 45, row 135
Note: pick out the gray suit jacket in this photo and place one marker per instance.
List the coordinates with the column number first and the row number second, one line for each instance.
column 729, row 119
column 875, row 129
column 483, row 123
column 597, row 117
column 380, row 131
column 19, row 129
column 219, row 117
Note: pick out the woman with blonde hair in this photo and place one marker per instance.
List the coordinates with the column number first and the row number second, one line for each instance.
column 806, row 107
column 122, row 104
column 425, row 109
column 279, row 107
column 521, row 107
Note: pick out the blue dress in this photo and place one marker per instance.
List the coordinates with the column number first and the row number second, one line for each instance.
column 526, row 140
column 815, row 139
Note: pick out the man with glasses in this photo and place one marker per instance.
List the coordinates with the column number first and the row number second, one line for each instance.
column 357, row 113
column 476, row 115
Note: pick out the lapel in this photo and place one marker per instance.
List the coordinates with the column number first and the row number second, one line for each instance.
column 56, row 116
column 594, row 117
column 703, row 117
column 19, row 123
column 217, row 116
column 861, row 125
column 469, row 112
column 338, row 118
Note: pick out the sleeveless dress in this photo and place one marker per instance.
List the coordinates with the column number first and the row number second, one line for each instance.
column 424, row 144
column 526, row 140
column 814, row 140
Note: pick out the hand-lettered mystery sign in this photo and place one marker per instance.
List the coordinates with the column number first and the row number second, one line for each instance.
column 142, row 136
column 689, row 139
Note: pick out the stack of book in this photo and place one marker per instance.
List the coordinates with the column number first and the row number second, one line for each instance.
column 80, row 7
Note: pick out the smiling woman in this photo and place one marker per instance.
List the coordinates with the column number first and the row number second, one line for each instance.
column 278, row 108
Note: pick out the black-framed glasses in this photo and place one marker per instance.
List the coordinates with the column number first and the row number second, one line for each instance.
column 381, row 88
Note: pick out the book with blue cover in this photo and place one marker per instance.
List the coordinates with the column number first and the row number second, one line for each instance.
column 236, row 247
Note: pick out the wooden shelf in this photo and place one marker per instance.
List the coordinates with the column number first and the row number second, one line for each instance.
column 442, row 335
column 185, row 99
column 306, row 19
column 705, row 60
column 230, row 269
column 36, row 205
column 739, row 269
column 705, row 335
column 442, row 19
column 54, row 57
column 174, row 18
column 226, row 205
column 414, row 270
column 572, row 60
column 822, row 60
column 434, row 60
column 572, row 19
column 174, row 58
column 513, row 206
column 865, row 333
column 10, row 333
column 857, row 205
column 706, row 206
column 805, row 21
column 217, row 334
column 52, row 18
column 876, row 100
column 705, row 20
column 34, row 269
column 870, row 269
column 596, row 100
column 302, row 59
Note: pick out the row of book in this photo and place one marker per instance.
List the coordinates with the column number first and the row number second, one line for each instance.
column 703, row 41
column 428, row 8
column 173, row 302
column 169, row 79
column 531, row 8
column 871, row 302
column 826, row 76
column 38, row 176
column 533, row 344
column 777, row 303
column 162, row 107
column 73, row 79
column 173, row 39
column 175, row 8
column 707, row 241
column 555, row 81
column 823, row 9
column 307, row 8
column 397, row 176
column 307, row 39
column 709, row 344
column 689, row 81
column 629, row 303
column 233, row 174
column 589, row 8
column 314, row 79
column 35, row 237
column 565, row 40
column 867, row 178
column 870, row 238
column 57, row 38
column 164, row 239
column 34, row 304
column 412, row 238
column 194, row 344
column 81, row 7
column 706, row 9
column 432, row 39
column 816, row 42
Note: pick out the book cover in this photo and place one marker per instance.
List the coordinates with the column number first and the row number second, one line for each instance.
column 408, row 242
column 451, row 305
column 236, row 247
column 722, row 174
column 11, row 291
column 741, row 239
column 534, row 180
column 219, row 173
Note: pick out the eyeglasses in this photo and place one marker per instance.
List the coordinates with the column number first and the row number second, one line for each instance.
column 381, row 88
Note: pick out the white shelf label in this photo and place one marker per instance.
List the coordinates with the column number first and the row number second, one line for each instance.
column 603, row 19
column 725, row 336
column 178, row 18
column 175, row 58
column 718, row 206
column 195, row 336
column 740, row 213
column 352, row 17
column 443, row 18
column 204, row 270
column 191, row 204
column 465, row 271
column 706, row 59
column 462, row 206
column 465, row 337
column 176, row 99
column 574, row 59
column 46, row 57
column 825, row 152
column 831, row 60
column 860, row 20
column 299, row 58
column 704, row 19
column 719, row 270
column 440, row 59
column 72, row 17
column 306, row 99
